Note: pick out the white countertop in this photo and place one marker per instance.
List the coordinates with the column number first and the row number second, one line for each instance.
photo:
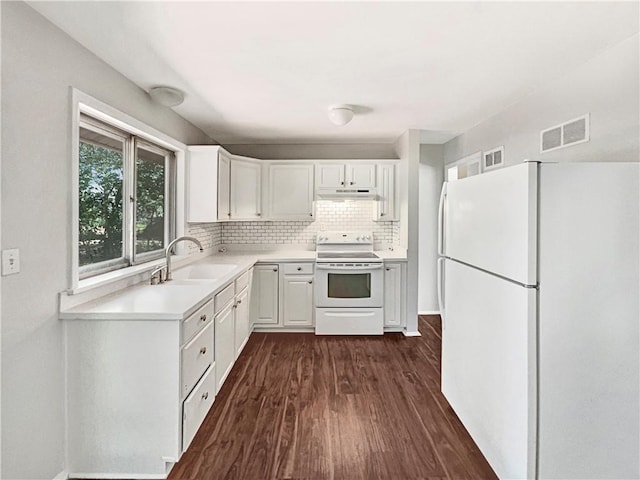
column 177, row 299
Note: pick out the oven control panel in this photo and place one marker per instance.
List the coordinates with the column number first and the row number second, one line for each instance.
column 344, row 238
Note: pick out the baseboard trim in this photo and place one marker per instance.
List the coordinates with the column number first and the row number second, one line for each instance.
column 119, row 476
column 63, row 475
column 414, row 333
column 430, row 312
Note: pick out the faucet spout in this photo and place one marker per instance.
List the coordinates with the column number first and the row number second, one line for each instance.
column 170, row 249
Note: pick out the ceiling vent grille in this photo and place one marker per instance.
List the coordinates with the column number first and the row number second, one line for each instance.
column 566, row 134
column 493, row 158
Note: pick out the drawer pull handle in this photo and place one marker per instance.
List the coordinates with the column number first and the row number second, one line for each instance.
column 203, row 318
column 203, row 350
column 205, row 395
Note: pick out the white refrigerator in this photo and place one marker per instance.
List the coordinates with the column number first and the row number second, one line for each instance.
column 538, row 281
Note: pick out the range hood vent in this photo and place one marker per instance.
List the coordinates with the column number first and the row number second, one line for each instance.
column 346, row 193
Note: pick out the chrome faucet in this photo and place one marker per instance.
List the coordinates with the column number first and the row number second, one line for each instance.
column 167, row 276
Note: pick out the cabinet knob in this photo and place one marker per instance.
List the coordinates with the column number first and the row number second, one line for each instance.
column 387, row 269
column 258, row 214
column 203, row 350
column 239, row 301
column 299, row 268
column 310, row 282
column 341, row 183
column 275, row 269
column 351, row 183
column 382, row 214
column 311, row 214
column 203, row 318
column 205, row 395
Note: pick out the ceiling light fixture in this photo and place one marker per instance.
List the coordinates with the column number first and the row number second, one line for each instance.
column 340, row 114
column 166, row 96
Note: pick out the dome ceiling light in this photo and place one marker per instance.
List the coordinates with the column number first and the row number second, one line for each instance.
column 340, row 114
column 166, row 96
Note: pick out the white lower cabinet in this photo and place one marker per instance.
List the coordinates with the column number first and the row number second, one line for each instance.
column 394, row 295
column 241, row 320
column 264, row 295
column 297, row 300
column 282, row 296
column 224, row 344
column 197, row 405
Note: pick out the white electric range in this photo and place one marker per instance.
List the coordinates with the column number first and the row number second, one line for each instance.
column 349, row 285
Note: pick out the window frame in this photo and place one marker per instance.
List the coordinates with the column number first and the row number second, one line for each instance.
column 110, row 120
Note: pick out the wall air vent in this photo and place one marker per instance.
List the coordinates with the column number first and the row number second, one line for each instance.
column 493, row 158
column 566, row 134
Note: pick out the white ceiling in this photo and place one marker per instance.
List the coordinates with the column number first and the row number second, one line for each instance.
column 266, row 72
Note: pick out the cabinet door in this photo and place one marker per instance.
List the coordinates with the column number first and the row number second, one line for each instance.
column 394, row 295
column 329, row 175
column 241, row 320
column 224, row 344
column 290, row 191
column 361, row 175
column 386, row 205
column 202, row 175
column 297, row 300
column 224, row 175
column 245, row 190
column 264, row 295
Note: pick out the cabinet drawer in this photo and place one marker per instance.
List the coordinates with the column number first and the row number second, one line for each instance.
column 198, row 320
column 197, row 405
column 298, row 268
column 197, row 355
column 242, row 281
column 222, row 298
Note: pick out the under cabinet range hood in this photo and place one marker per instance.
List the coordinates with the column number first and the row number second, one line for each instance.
column 346, row 193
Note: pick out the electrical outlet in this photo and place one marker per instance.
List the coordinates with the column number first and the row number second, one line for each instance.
column 10, row 261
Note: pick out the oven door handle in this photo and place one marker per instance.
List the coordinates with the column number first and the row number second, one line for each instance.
column 321, row 266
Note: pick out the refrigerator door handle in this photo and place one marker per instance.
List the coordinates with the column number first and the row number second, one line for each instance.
column 443, row 193
column 440, row 283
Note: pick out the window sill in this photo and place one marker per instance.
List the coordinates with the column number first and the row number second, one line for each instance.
column 92, row 288
column 97, row 281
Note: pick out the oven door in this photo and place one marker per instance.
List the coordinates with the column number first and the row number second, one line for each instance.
column 349, row 285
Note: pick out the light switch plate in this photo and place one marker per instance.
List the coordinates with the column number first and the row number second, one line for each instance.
column 10, row 261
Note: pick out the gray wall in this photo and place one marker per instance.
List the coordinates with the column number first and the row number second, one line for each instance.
column 430, row 183
column 606, row 87
column 407, row 148
column 39, row 64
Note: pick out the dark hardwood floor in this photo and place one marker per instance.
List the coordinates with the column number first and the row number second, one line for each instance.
column 297, row 406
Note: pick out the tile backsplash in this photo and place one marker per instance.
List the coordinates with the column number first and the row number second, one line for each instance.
column 352, row 215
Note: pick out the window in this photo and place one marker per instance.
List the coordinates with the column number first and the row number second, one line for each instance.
column 125, row 198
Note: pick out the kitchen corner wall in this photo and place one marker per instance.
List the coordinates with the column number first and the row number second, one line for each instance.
column 39, row 65
column 350, row 215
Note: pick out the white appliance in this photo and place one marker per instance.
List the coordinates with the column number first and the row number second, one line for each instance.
column 349, row 285
column 344, row 193
column 539, row 283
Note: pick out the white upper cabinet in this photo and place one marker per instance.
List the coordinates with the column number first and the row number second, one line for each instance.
column 329, row 175
column 360, row 175
column 224, row 179
column 244, row 190
column 387, row 205
column 290, row 191
column 336, row 175
column 202, row 179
